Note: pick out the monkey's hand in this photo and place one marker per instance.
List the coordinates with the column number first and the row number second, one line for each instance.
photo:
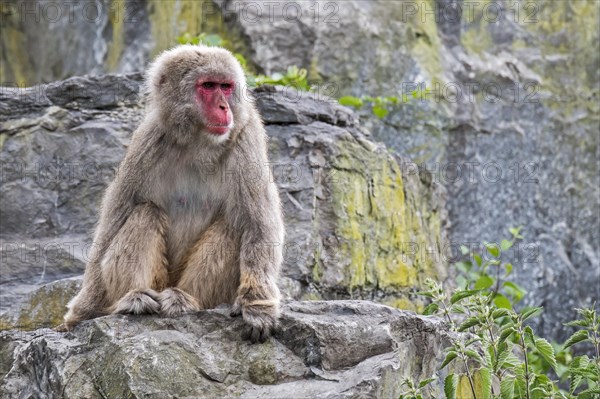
column 260, row 317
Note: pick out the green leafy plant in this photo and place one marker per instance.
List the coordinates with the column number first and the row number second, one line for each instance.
column 584, row 373
column 416, row 390
column 380, row 106
column 502, row 357
column 294, row 76
column 487, row 272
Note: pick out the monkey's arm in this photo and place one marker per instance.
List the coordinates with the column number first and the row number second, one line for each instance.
column 256, row 208
column 260, row 259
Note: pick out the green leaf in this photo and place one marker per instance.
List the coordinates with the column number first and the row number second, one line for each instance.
column 460, row 295
column 516, row 231
column 531, row 312
column 449, row 357
column 529, row 336
column 505, row 333
column 578, row 323
column 493, row 249
column 475, row 356
column 506, row 245
column 464, row 250
column 514, row 290
column 590, row 393
column 450, row 383
column 464, row 267
column 486, row 382
column 506, row 359
column 507, row 388
column 380, row 111
column 511, row 362
column 547, row 351
column 509, row 269
column 579, row 336
column 502, row 302
column 468, row 323
column 426, row 382
column 430, row 309
column 484, row 282
column 477, row 259
column 459, row 309
column 501, row 312
column 351, row 101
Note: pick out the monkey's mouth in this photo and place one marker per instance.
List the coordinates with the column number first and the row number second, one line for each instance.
column 218, row 130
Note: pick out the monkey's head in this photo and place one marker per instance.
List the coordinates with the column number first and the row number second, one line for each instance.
column 199, row 92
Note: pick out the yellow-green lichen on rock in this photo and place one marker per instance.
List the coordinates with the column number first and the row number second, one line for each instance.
column 380, row 227
column 115, row 36
column 571, row 75
column 427, row 45
column 44, row 307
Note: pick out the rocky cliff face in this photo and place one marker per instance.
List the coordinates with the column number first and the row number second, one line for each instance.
column 358, row 224
column 337, row 349
column 510, row 130
column 510, row 126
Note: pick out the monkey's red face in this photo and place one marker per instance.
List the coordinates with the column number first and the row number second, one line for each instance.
column 214, row 96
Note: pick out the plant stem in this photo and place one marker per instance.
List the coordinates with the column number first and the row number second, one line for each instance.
column 597, row 345
column 469, row 375
column 493, row 342
column 495, row 353
column 526, row 364
column 447, row 314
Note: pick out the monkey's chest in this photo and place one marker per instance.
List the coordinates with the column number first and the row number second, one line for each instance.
column 189, row 215
column 191, row 199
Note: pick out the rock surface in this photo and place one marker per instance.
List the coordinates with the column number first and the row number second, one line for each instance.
column 510, row 127
column 526, row 73
column 334, row 349
column 358, row 224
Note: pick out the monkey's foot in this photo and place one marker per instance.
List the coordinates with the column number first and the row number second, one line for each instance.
column 138, row 302
column 174, row 302
column 260, row 319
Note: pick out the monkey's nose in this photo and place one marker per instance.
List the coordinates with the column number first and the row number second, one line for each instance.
column 223, row 107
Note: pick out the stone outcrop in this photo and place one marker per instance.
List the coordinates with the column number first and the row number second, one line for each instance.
column 510, row 126
column 334, row 349
column 526, row 74
column 359, row 224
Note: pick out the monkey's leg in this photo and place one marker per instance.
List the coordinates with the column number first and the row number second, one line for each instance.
column 128, row 271
column 210, row 271
column 138, row 264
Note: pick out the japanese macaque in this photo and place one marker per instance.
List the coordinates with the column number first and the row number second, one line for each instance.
column 193, row 218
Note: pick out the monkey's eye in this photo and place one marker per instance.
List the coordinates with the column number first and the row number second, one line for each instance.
column 209, row 85
column 226, row 86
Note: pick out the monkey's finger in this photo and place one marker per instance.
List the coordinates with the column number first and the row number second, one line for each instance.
column 236, row 310
column 152, row 294
column 61, row 328
column 252, row 334
column 247, row 333
column 265, row 333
